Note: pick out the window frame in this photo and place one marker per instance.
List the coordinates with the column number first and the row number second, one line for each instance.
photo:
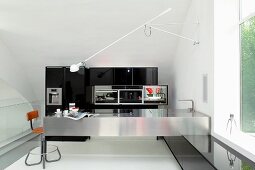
column 241, row 21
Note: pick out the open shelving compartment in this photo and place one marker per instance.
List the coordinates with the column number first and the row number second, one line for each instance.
column 155, row 94
column 108, row 95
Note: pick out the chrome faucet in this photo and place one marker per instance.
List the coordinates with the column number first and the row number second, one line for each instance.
column 192, row 109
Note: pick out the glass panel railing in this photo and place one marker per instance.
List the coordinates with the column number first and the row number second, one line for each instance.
column 13, row 122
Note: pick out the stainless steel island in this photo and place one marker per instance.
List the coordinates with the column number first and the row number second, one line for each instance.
column 139, row 122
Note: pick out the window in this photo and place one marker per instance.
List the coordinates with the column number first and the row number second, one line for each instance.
column 247, row 8
column 247, row 35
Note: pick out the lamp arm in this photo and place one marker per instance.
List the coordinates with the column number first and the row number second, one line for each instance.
column 131, row 32
column 75, row 67
column 174, row 34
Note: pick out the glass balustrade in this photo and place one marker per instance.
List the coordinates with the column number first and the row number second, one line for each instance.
column 13, row 121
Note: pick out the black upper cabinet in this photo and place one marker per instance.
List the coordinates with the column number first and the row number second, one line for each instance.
column 75, row 87
column 101, row 76
column 54, row 77
column 123, row 76
column 145, row 76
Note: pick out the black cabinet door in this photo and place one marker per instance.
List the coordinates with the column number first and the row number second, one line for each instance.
column 101, row 76
column 145, row 76
column 123, row 76
column 74, row 88
column 54, row 77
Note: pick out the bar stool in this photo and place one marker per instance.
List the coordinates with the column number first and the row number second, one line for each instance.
column 40, row 131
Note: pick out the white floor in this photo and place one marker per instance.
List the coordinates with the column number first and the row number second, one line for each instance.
column 109, row 154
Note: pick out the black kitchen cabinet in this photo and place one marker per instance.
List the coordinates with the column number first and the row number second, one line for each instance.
column 74, row 91
column 101, row 76
column 73, row 86
column 145, row 76
column 123, row 76
column 54, row 77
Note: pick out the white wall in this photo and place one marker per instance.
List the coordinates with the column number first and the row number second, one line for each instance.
column 12, row 73
column 191, row 62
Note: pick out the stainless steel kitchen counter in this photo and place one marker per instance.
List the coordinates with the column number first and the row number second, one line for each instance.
column 139, row 122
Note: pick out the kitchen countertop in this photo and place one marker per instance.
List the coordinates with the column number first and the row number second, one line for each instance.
column 146, row 113
column 126, row 122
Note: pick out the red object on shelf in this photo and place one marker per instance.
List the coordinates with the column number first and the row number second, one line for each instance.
column 157, row 89
column 149, row 90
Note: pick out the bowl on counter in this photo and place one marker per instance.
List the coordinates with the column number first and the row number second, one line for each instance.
column 109, row 98
column 75, row 110
column 154, row 98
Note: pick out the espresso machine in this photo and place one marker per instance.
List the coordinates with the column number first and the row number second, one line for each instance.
column 54, row 96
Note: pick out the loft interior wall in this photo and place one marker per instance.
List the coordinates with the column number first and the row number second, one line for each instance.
column 191, row 62
column 13, row 77
column 45, row 32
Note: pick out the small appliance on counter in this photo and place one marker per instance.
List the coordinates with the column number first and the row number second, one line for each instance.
column 54, row 96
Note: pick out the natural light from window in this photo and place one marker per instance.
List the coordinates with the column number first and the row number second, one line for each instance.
column 247, row 8
column 247, row 34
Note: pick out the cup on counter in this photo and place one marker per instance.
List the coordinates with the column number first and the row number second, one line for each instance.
column 58, row 114
column 65, row 112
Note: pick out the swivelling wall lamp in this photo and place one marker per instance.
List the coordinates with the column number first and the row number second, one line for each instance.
column 75, row 67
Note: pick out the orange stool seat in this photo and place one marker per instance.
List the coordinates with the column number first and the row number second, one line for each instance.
column 38, row 130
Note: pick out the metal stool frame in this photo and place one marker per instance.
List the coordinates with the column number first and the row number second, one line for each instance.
column 30, row 116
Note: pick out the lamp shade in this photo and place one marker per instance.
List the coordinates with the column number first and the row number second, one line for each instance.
column 74, row 68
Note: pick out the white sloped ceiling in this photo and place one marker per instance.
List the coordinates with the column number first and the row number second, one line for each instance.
column 62, row 32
